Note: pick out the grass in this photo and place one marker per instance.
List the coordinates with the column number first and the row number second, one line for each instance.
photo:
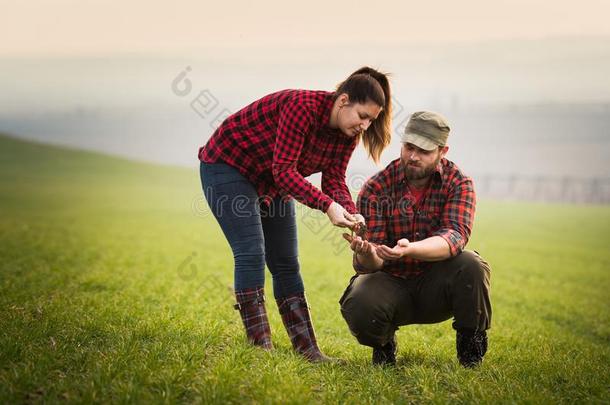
column 115, row 286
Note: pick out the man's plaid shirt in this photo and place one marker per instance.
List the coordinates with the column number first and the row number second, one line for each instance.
column 277, row 141
column 447, row 209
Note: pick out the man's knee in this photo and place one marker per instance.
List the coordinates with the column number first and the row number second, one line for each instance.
column 473, row 267
column 368, row 311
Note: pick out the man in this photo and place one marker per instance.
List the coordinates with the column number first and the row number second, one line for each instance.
column 410, row 260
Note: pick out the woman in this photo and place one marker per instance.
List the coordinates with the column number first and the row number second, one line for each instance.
column 258, row 159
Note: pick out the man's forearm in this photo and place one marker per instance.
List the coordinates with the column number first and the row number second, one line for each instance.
column 431, row 249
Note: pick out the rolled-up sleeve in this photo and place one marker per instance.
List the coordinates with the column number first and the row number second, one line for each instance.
column 458, row 216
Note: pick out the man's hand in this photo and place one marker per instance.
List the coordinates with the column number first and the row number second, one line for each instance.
column 340, row 217
column 359, row 245
column 364, row 254
column 395, row 253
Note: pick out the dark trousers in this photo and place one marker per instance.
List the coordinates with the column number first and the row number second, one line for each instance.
column 258, row 234
column 375, row 305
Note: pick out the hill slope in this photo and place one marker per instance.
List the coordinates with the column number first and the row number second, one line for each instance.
column 115, row 286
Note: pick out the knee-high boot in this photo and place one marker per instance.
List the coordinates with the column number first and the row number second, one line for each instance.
column 297, row 320
column 251, row 306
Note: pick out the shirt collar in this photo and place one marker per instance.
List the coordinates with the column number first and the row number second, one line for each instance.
column 439, row 168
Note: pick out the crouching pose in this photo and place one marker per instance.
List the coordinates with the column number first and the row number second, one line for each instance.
column 410, row 259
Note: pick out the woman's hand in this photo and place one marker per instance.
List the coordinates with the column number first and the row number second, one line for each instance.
column 339, row 216
column 360, row 226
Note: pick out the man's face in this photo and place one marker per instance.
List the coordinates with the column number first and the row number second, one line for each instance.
column 419, row 163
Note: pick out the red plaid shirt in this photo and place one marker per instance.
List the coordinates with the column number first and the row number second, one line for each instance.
column 446, row 209
column 277, row 141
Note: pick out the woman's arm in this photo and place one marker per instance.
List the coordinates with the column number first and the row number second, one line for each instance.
column 333, row 178
column 294, row 124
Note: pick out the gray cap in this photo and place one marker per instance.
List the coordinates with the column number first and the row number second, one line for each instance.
column 427, row 130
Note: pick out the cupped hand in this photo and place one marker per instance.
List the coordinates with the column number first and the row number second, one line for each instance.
column 395, row 253
column 359, row 245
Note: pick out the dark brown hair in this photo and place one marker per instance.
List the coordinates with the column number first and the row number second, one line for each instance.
column 364, row 85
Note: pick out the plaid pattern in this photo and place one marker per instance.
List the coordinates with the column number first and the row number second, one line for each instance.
column 296, row 318
column 391, row 212
column 277, row 141
column 251, row 306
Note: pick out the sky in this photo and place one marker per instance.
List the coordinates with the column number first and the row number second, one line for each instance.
column 80, row 27
column 97, row 74
column 473, row 51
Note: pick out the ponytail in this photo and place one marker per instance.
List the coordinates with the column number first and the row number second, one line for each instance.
column 364, row 85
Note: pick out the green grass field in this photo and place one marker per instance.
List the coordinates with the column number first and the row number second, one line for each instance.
column 115, row 286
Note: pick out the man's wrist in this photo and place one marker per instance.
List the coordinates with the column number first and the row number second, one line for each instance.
column 365, row 261
column 410, row 249
column 359, row 259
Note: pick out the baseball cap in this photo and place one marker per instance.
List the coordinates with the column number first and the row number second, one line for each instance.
column 427, row 130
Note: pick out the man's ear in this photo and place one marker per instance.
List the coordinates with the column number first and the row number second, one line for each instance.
column 444, row 151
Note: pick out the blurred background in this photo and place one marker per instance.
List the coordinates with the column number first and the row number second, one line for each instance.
column 524, row 84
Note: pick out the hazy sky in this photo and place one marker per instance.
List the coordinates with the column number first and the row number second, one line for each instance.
column 98, row 74
column 43, row 27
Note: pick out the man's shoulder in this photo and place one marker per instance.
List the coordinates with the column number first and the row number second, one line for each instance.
column 452, row 174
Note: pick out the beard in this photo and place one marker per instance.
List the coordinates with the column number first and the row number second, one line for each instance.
column 421, row 171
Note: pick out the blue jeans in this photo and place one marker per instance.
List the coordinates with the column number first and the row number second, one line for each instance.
column 257, row 233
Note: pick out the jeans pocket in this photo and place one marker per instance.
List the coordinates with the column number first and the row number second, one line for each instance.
column 213, row 174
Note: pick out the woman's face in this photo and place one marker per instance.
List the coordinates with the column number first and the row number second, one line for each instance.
column 355, row 118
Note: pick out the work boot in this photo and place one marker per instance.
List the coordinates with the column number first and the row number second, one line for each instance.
column 471, row 347
column 296, row 319
column 386, row 354
column 251, row 307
